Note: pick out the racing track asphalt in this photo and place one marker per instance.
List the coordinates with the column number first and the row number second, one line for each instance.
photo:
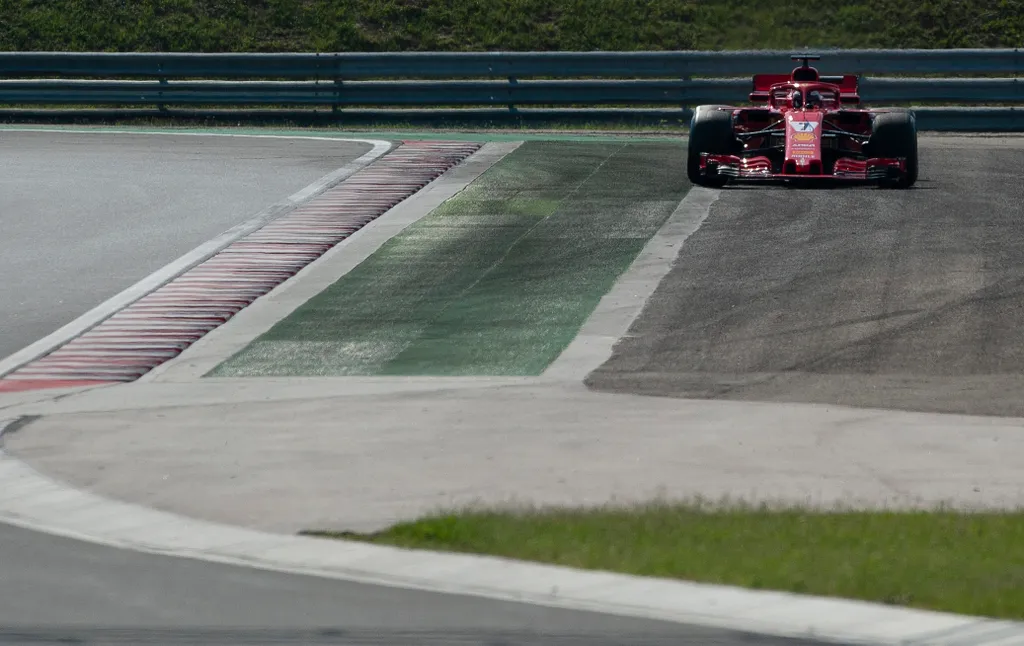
column 59, row 591
column 107, row 210
column 866, row 297
column 85, row 215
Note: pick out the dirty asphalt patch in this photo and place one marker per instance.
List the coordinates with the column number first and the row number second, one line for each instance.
column 864, row 297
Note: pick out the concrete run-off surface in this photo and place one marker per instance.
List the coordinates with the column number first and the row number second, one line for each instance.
column 294, row 454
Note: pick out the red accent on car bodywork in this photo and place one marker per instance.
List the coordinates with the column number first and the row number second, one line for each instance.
column 803, row 142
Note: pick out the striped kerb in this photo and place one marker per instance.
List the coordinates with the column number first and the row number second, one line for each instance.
column 162, row 324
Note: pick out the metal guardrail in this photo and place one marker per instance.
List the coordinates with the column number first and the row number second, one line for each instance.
column 423, row 80
column 477, row 93
column 504, row 64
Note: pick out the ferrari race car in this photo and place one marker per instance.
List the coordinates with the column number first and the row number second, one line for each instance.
column 803, row 133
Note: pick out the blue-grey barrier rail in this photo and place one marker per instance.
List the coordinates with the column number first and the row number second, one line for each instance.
column 968, row 89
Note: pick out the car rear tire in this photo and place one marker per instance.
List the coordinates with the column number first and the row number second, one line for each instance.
column 894, row 134
column 710, row 132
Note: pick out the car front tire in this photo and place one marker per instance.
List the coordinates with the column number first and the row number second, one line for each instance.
column 894, row 134
column 710, row 132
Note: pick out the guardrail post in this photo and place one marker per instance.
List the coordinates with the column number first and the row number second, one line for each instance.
column 685, row 79
column 338, row 83
column 511, row 106
column 163, row 81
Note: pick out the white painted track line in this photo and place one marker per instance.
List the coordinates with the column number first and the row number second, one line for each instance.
column 623, row 303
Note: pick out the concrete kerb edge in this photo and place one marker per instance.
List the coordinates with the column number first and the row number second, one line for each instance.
column 192, row 258
column 35, row 502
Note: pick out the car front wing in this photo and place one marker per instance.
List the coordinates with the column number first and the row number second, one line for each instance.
column 760, row 168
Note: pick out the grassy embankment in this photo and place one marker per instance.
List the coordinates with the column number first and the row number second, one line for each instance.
column 464, row 25
column 940, row 560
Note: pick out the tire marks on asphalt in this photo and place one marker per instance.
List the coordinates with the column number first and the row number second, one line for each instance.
column 858, row 296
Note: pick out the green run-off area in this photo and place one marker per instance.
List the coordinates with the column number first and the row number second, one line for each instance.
column 496, row 281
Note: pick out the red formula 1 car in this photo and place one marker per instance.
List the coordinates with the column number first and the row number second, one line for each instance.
column 804, row 133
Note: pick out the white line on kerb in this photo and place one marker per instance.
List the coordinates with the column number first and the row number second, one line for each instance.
column 203, row 252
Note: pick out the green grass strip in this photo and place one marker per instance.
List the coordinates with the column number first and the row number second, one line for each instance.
column 496, row 281
column 941, row 560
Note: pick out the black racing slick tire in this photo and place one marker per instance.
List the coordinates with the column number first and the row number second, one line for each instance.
column 710, row 132
column 894, row 134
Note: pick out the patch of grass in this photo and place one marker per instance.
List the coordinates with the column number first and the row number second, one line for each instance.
column 475, row 25
column 945, row 559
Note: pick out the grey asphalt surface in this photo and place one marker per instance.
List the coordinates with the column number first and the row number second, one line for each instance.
column 85, row 216
column 59, row 591
column 866, row 297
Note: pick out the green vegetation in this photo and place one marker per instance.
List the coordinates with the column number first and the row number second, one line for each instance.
column 495, row 281
column 943, row 560
column 457, row 25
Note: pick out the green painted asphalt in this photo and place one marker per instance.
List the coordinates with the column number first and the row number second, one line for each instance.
column 496, row 281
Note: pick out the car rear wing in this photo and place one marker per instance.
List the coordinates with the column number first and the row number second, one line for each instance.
column 763, row 83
